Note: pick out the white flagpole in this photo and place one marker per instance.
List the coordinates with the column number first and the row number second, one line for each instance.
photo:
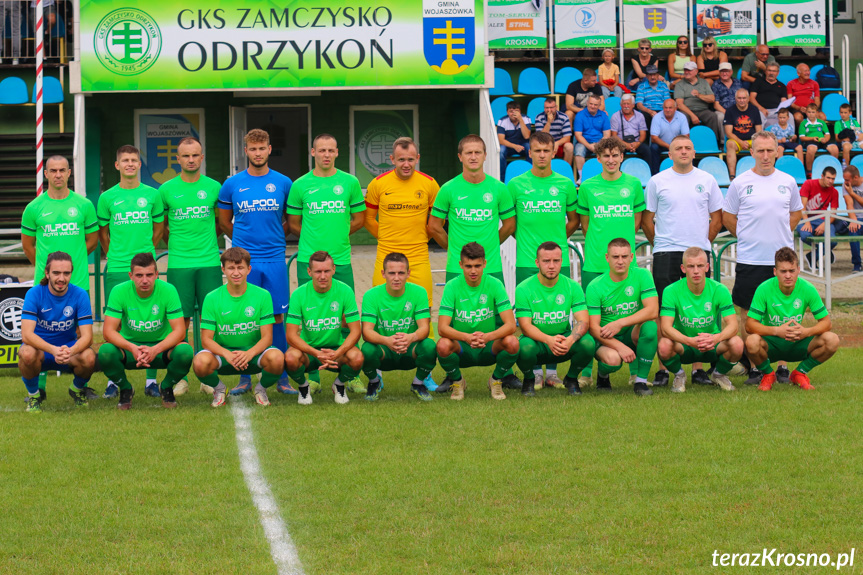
column 40, row 47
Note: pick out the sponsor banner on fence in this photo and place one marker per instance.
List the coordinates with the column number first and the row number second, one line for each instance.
column 732, row 22
column 660, row 21
column 11, row 306
column 796, row 23
column 517, row 24
column 236, row 45
column 585, row 24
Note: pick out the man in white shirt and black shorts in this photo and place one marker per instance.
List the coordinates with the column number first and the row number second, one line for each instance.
column 762, row 208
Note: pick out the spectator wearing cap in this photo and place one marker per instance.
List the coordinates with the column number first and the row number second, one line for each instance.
column 755, row 64
column 695, row 99
column 805, row 91
column 724, row 89
column 651, row 94
column 665, row 127
column 767, row 93
column 557, row 125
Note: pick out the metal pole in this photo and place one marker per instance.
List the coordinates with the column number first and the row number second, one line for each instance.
column 830, row 34
column 763, row 22
column 40, row 47
column 828, row 259
column 551, row 18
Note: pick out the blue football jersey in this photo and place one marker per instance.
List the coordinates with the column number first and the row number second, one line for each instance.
column 57, row 317
column 258, row 203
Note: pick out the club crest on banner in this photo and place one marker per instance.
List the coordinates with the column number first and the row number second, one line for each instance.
column 655, row 19
column 449, row 40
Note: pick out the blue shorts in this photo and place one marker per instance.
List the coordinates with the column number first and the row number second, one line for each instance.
column 50, row 364
column 273, row 277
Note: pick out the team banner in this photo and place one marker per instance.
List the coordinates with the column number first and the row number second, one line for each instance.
column 11, row 307
column 796, row 23
column 157, row 134
column 585, row 24
column 237, row 45
column 660, row 21
column 732, row 22
column 517, row 24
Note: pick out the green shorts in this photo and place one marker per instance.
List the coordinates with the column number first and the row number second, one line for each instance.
column 624, row 336
column 692, row 355
column 112, row 280
column 522, row 274
column 398, row 361
column 344, row 273
column 314, row 363
column 226, row 368
column 779, row 349
column 453, row 275
column 471, row 357
column 545, row 354
column 193, row 284
column 587, row 277
column 159, row 362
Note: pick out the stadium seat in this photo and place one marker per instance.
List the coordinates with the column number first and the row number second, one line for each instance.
column 52, row 91
column 704, row 140
column 498, row 107
column 559, row 166
column 830, row 106
column 612, row 105
column 787, row 73
column 666, row 163
column 638, row 168
column 535, row 107
column 591, row 168
column 565, row 77
column 516, row 168
column 13, row 90
column 793, row 167
column 822, row 162
column 502, row 83
column 716, row 168
column 533, row 81
column 857, row 161
column 815, row 69
column 745, row 163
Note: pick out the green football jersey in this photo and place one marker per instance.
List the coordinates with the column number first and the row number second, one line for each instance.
column 474, row 308
column 611, row 209
column 236, row 321
column 549, row 308
column 392, row 315
column 851, row 124
column 614, row 300
column 772, row 307
column 695, row 314
column 816, row 129
column 326, row 205
column 191, row 216
column 144, row 320
column 129, row 215
column 474, row 212
column 541, row 205
column 61, row 225
column 320, row 314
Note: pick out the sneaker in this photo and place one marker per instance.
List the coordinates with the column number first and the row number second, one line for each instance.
column 660, row 378
column 373, row 389
column 554, row 381
column 458, row 389
column 90, row 393
column 355, row 386
column 640, row 388
column 182, row 387
column 754, row 377
column 679, row 383
column 767, row 381
column 314, row 385
column 42, row 395
column 218, row 398
column 538, row 383
column 79, row 397
column 342, row 396
column 168, row 399
column 429, row 382
column 528, row 387
column 261, row 395
column 421, row 392
column 34, row 405
column 152, row 390
column 571, row 385
column 496, row 388
column 445, row 385
column 722, row 381
column 585, row 381
column 737, row 370
column 700, row 377
column 783, row 375
column 244, row 386
column 632, row 379
column 801, row 380
column 111, row 391
column 206, row 389
column 284, row 386
column 858, row 268
column 304, row 399
column 126, row 396
column 603, row 383
column 510, row 381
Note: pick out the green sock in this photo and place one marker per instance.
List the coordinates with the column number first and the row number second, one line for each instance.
column 673, row 363
column 450, row 365
column 315, row 376
column 503, row 367
column 43, row 380
column 212, row 380
column 299, row 376
column 588, row 371
column 765, row 367
column 808, row 364
column 347, row 373
column 645, row 350
column 269, row 379
column 605, row 369
column 723, row 366
column 178, row 366
column 372, row 359
column 426, row 357
column 152, row 373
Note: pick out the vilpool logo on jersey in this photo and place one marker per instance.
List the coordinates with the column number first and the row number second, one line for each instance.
column 534, row 206
column 60, row 229
column 473, row 316
column 621, row 308
column 138, row 217
column 613, row 211
column 192, row 212
column 550, row 316
column 448, row 35
column 266, row 205
column 322, row 324
column 127, row 41
column 397, row 324
column 238, row 328
column 328, row 207
column 473, row 215
column 697, row 321
column 152, row 325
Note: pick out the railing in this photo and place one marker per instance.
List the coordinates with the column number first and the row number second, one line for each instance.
column 22, row 35
column 859, row 85
column 846, row 69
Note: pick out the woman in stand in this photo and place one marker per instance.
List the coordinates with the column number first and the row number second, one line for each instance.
column 677, row 59
column 710, row 59
column 643, row 58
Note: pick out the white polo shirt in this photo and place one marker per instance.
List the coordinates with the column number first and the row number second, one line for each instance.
column 682, row 204
column 763, row 205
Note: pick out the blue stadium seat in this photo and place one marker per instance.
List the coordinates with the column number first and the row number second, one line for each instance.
column 52, row 91
column 591, row 168
column 559, row 166
column 787, row 73
column 612, row 105
column 565, row 77
column 716, row 168
column 498, row 108
column 666, row 163
column 638, row 168
column 793, row 167
column 745, row 163
column 516, row 168
column 532, row 82
column 830, row 106
column 502, row 83
column 13, row 90
column 535, row 107
column 822, row 162
column 704, row 140
column 858, row 162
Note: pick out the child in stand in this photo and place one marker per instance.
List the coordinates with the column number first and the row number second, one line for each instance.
column 848, row 133
column 609, row 75
column 786, row 135
column 815, row 135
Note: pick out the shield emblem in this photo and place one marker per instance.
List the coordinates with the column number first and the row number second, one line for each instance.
column 655, row 19
column 449, row 40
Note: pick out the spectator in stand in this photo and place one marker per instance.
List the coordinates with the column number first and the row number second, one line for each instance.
column 513, row 132
column 815, row 135
column 13, row 10
column 558, row 126
column 630, row 126
column 710, row 59
column 579, row 91
column 665, row 127
column 741, row 122
column 755, row 63
column 818, row 195
column 786, row 134
column 805, row 91
column 853, row 187
column 644, row 58
column 725, row 90
column 681, row 56
column 591, row 125
column 767, row 93
column 609, row 75
column 652, row 94
column 695, row 99
column 848, row 133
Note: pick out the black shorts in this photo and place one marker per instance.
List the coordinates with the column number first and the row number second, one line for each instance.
column 790, row 145
column 747, row 280
column 666, row 270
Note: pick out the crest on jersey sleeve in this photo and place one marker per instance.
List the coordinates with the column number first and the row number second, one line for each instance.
column 449, row 40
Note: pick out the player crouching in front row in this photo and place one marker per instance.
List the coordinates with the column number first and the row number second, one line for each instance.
column 775, row 324
column 237, row 331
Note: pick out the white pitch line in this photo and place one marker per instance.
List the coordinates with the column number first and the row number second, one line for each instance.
column 282, row 547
